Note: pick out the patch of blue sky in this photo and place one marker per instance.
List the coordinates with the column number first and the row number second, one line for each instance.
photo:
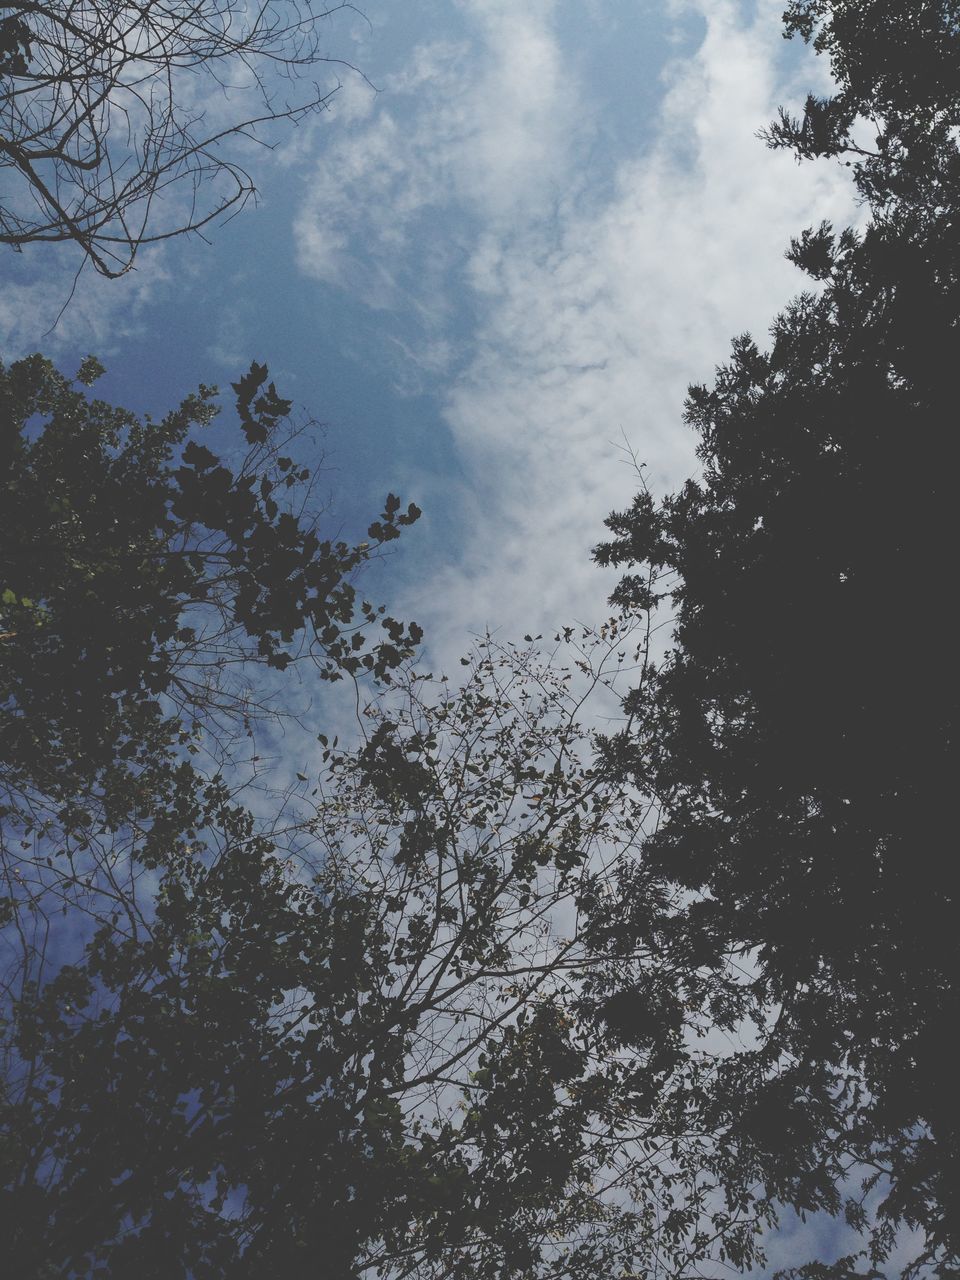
column 622, row 50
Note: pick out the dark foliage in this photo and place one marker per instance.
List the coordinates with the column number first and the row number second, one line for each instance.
column 147, row 587
column 14, row 46
column 801, row 732
column 350, row 1027
column 897, row 105
column 141, row 573
column 348, row 1045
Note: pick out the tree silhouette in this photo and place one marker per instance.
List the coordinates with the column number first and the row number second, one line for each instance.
column 359, row 1037
column 125, row 124
column 145, row 581
column 897, row 74
column 340, row 1026
column 800, row 733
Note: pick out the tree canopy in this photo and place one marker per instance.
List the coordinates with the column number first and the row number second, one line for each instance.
column 342, row 1025
column 896, row 108
column 144, row 580
column 139, row 566
column 800, row 730
column 348, row 1046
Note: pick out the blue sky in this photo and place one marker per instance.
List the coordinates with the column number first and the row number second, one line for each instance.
column 491, row 263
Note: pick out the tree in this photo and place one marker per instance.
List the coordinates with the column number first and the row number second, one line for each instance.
column 370, row 1039
column 897, row 73
column 346, row 1028
column 800, row 733
column 116, row 122
column 144, row 581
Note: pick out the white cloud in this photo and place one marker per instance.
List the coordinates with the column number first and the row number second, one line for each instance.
column 39, row 307
column 496, row 120
column 596, row 308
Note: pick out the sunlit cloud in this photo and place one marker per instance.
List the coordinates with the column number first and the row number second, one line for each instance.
column 591, row 309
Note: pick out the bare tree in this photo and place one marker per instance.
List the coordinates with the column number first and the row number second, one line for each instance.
column 117, row 118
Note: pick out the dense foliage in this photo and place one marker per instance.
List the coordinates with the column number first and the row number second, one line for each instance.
column 800, row 733
column 143, row 575
column 346, row 1044
column 145, row 584
column 896, row 108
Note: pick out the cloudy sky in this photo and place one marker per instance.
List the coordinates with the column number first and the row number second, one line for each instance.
column 497, row 259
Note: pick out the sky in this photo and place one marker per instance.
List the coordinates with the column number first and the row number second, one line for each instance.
column 491, row 269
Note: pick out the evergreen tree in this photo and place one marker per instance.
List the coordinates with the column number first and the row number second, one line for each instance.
column 801, row 731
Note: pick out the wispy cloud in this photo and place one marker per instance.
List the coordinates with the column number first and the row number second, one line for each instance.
column 42, row 304
column 591, row 309
column 493, row 130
